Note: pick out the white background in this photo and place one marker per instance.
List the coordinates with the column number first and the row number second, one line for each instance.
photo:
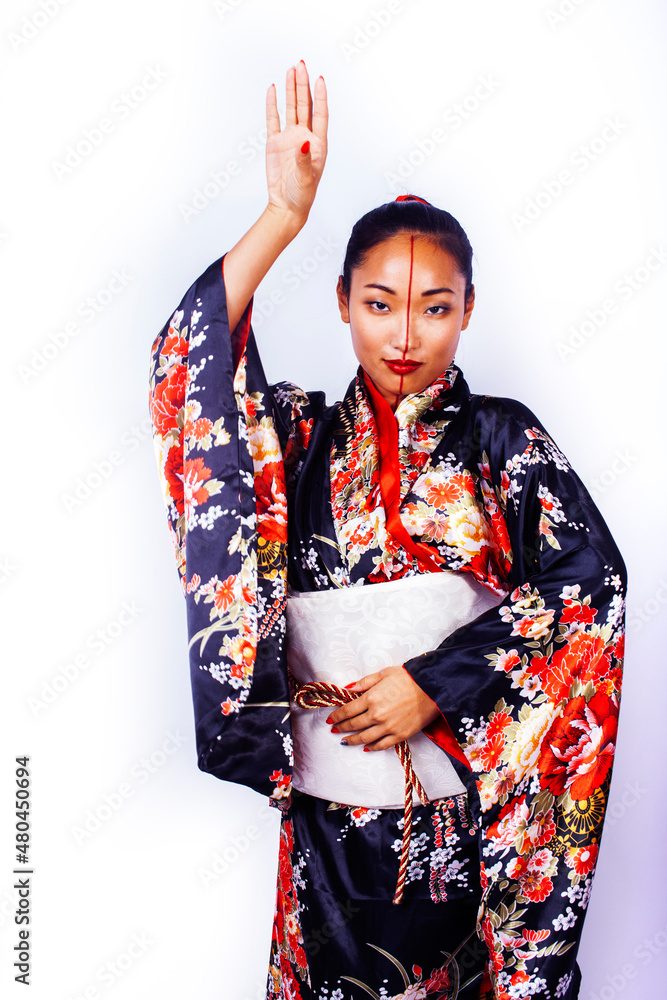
column 110, row 733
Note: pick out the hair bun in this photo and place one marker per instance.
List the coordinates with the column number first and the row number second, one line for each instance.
column 412, row 197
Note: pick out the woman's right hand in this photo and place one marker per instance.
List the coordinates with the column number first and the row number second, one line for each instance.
column 293, row 175
column 292, row 178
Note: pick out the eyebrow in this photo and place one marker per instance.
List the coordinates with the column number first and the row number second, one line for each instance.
column 431, row 291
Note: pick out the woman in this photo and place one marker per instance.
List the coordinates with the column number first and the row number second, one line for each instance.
column 491, row 636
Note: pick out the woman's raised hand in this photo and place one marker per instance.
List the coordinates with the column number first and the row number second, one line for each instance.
column 296, row 155
column 294, row 164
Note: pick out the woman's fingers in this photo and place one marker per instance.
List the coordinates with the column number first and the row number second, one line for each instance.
column 352, row 711
column 272, row 116
column 299, row 106
column 358, row 705
column 371, row 737
column 290, row 97
column 366, row 682
column 384, row 743
column 304, row 104
column 320, row 110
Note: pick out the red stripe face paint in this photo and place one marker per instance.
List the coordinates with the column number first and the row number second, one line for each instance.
column 407, row 325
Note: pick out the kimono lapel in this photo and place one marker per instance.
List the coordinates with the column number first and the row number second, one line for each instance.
column 377, row 458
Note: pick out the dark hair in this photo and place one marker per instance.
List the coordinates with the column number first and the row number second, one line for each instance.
column 408, row 214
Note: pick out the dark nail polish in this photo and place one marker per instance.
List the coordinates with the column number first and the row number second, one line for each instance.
column 344, row 743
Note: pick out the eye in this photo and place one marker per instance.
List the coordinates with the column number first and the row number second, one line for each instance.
column 437, row 310
column 377, row 306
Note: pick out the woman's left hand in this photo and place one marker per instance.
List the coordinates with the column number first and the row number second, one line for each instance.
column 390, row 707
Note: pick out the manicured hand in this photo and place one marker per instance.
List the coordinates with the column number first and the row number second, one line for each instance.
column 293, row 174
column 390, row 707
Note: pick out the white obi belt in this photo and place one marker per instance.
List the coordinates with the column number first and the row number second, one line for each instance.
column 339, row 636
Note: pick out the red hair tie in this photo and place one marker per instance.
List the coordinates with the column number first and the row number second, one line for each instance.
column 411, row 197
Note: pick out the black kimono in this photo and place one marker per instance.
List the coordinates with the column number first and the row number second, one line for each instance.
column 266, row 485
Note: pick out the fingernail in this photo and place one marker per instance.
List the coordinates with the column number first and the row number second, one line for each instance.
column 306, row 147
column 329, row 721
column 350, row 685
column 367, row 749
column 344, row 743
column 302, row 61
column 335, row 729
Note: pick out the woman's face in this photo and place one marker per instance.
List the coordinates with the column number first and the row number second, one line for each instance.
column 406, row 310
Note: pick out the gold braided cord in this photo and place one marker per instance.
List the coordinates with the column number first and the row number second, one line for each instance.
column 319, row 694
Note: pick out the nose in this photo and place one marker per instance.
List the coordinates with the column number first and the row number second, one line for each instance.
column 405, row 335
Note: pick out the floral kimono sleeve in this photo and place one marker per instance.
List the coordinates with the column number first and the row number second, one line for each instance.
column 531, row 689
column 216, row 429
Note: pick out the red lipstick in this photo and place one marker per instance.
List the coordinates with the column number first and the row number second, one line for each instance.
column 402, row 367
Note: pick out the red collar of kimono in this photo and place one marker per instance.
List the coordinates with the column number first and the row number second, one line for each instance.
column 390, row 425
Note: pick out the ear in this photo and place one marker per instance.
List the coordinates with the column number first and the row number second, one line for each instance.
column 342, row 301
column 470, row 302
